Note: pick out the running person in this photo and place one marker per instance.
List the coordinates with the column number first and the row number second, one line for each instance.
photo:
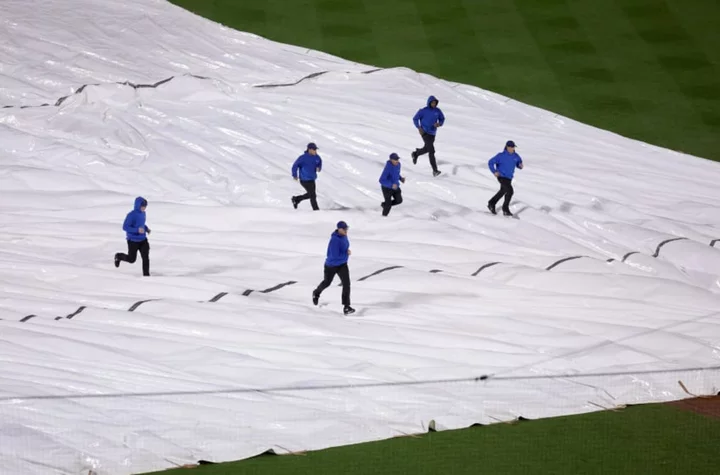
column 306, row 168
column 338, row 253
column 136, row 233
column 503, row 167
column 427, row 120
column 390, row 184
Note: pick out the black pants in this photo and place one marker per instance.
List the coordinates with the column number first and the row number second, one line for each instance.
column 344, row 273
column 428, row 148
column 506, row 189
column 310, row 189
column 392, row 198
column 131, row 256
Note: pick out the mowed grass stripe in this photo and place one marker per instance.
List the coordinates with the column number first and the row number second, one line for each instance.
column 639, row 77
column 401, row 31
column 579, row 69
column 282, row 21
column 677, row 51
column 636, row 67
column 444, row 23
column 701, row 22
column 518, row 67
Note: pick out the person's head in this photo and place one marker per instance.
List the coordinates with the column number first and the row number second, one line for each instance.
column 342, row 228
column 432, row 101
column 510, row 146
column 394, row 158
column 140, row 204
column 311, row 149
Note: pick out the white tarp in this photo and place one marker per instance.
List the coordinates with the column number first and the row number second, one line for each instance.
column 173, row 381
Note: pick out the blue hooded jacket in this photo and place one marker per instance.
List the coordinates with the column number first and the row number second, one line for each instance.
column 337, row 251
column 308, row 166
column 505, row 163
column 135, row 220
column 390, row 175
column 428, row 116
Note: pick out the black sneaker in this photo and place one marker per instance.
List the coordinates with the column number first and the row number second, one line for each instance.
column 316, row 298
column 436, row 172
column 507, row 213
column 294, row 202
column 491, row 208
column 348, row 310
column 414, row 156
column 117, row 261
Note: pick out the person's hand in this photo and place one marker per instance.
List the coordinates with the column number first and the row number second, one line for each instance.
column 147, row 230
column 438, row 124
column 295, row 178
column 420, row 130
column 402, row 179
column 349, row 252
column 497, row 174
column 141, row 230
column 394, row 186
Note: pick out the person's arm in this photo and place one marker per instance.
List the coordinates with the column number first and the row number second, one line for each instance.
column 396, row 177
column 295, row 167
column 129, row 224
column 417, row 120
column 519, row 162
column 492, row 164
column 385, row 175
column 441, row 119
column 319, row 164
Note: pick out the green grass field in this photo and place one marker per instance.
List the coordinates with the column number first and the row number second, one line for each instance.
column 652, row 439
column 646, row 69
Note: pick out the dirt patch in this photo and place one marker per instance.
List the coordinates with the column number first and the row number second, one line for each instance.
column 707, row 406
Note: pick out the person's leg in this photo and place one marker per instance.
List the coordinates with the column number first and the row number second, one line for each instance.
column 344, row 274
column 313, row 195
column 424, row 150
column 387, row 194
column 306, row 196
column 397, row 197
column 430, row 145
column 145, row 255
column 493, row 201
column 329, row 275
column 131, row 256
column 509, row 191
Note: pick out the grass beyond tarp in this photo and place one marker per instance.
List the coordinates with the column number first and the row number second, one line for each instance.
column 646, row 69
column 651, row 439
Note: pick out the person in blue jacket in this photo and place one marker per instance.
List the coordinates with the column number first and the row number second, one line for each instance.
column 503, row 167
column 427, row 120
column 306, row 168
column 136, row 233
column 338, row 253
column 390, row 184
